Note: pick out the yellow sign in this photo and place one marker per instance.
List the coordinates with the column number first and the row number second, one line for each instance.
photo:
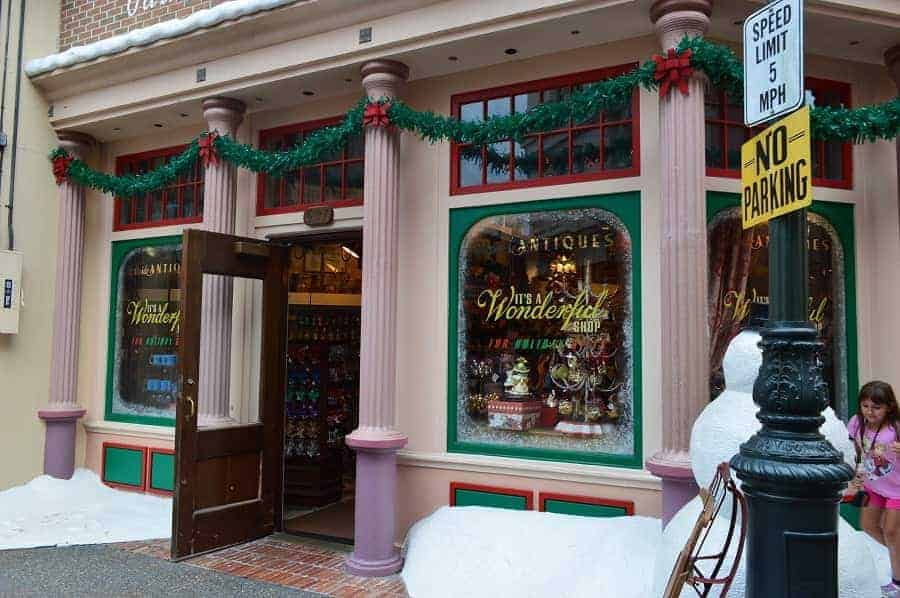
column 776, row 172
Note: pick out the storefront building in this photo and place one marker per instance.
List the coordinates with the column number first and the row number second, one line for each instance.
column 526, row 324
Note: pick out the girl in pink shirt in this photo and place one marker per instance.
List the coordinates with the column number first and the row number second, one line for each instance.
column 874, row 431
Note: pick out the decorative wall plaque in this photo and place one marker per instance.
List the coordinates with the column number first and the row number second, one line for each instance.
column 318, row 216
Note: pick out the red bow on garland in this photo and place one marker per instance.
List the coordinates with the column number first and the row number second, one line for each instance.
column 61, row 168
column 673, row 69
column 208, row 151
column 376, row 115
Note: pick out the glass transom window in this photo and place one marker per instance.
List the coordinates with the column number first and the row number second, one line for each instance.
column 604, row 145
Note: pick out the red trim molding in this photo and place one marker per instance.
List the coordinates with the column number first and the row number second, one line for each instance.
column 528, row 495
column 543, row 497
column 130, row 447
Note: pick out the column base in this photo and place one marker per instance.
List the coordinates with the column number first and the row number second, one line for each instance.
column 678, row 485
column 59, row 443
column 374, row 554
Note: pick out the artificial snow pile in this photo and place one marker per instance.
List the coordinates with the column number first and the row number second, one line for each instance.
column 202, row 19
column 51, row 512
column 479, row 551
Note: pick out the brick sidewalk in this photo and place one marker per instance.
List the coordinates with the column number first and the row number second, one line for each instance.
column 295, row 563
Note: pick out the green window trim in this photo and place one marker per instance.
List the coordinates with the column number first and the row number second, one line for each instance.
column 120, row 250
column 841, row 217
column 625, row 206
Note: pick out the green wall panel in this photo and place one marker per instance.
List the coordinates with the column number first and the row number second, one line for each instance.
column 123, row 466
column 480, row 498
column 162, row 472
column 584, row 509
column 850, row 514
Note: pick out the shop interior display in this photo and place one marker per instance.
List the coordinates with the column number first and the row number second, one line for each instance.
column 322, row 391
column 545, row 317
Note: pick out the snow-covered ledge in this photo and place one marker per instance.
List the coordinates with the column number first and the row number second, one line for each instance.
column 202, row 19
column 133, row 430
column 543, row 470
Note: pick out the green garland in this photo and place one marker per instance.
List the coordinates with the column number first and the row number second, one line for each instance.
column 719, row 63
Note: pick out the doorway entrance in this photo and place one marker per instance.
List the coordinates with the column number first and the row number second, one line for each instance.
column 321, row 402
column 282, row 464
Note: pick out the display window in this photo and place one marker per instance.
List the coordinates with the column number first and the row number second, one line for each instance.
column 604, row 145
column 545, row 330
column 335, row 181
column 739, row 289
column 178, row 203
column 832, row 161
column 145, row 314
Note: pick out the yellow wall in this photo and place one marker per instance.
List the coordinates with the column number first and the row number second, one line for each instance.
column 25, row 357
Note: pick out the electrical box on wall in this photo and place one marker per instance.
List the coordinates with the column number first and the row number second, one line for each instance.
column 10, row 291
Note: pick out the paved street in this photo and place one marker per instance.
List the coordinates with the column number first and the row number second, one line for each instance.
column 106, row 570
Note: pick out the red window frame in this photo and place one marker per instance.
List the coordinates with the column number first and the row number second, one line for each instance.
column 262, row 179
column 540, row 85
column 178, row 186
column 817, row 86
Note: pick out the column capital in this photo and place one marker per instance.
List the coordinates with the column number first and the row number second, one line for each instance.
column 76, row 144
column 673, row 19
column 892, row 60
column 383, row 78
column 223, row 114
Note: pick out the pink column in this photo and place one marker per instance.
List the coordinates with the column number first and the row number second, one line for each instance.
column 219, row 201
column 892, row 60
column 63, row 411
column 683, row 267
column 376, row 441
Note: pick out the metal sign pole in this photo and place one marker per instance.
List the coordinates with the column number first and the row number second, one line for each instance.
column 792, row 476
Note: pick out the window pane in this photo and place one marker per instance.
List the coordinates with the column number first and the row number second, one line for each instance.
column 714, row 151
column 355, row 180
column 520, row 375
column 713, row 104
column 172, row 203
column 592, row 117
column 734, row 109
column 739, row 292
column 834, row 160
column 527, row 158
column 817, row 148
column 737, row 135
column 469, row 166
column 125, row 211
column 145, row 363
column 473, row 112
column 498, row 107
column 556, row 95
column 156, row 205
column 272, row 191
column 312, row 185
column 556, row 154
column 356, row 146
column 617, row 146
column 333, row 176
column 498, row 162
column 524, row 101
column 187, row 199
column 140, row 208
column 586, row 151
column 290, row 192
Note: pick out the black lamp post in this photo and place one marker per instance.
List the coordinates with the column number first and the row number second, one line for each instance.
column 792, row 476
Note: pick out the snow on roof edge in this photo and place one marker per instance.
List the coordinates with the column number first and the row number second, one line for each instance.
column 202, row 19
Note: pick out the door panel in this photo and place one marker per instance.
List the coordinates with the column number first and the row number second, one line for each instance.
column 228, row 479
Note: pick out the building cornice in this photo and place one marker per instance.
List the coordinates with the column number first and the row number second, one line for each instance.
column 203, row 19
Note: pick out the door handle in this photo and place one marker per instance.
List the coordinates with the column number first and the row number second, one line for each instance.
column 192, row 406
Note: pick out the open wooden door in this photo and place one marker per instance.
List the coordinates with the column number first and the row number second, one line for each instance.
column 228, row 479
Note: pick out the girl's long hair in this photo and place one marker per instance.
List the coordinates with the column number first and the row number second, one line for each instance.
column 879, row 393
